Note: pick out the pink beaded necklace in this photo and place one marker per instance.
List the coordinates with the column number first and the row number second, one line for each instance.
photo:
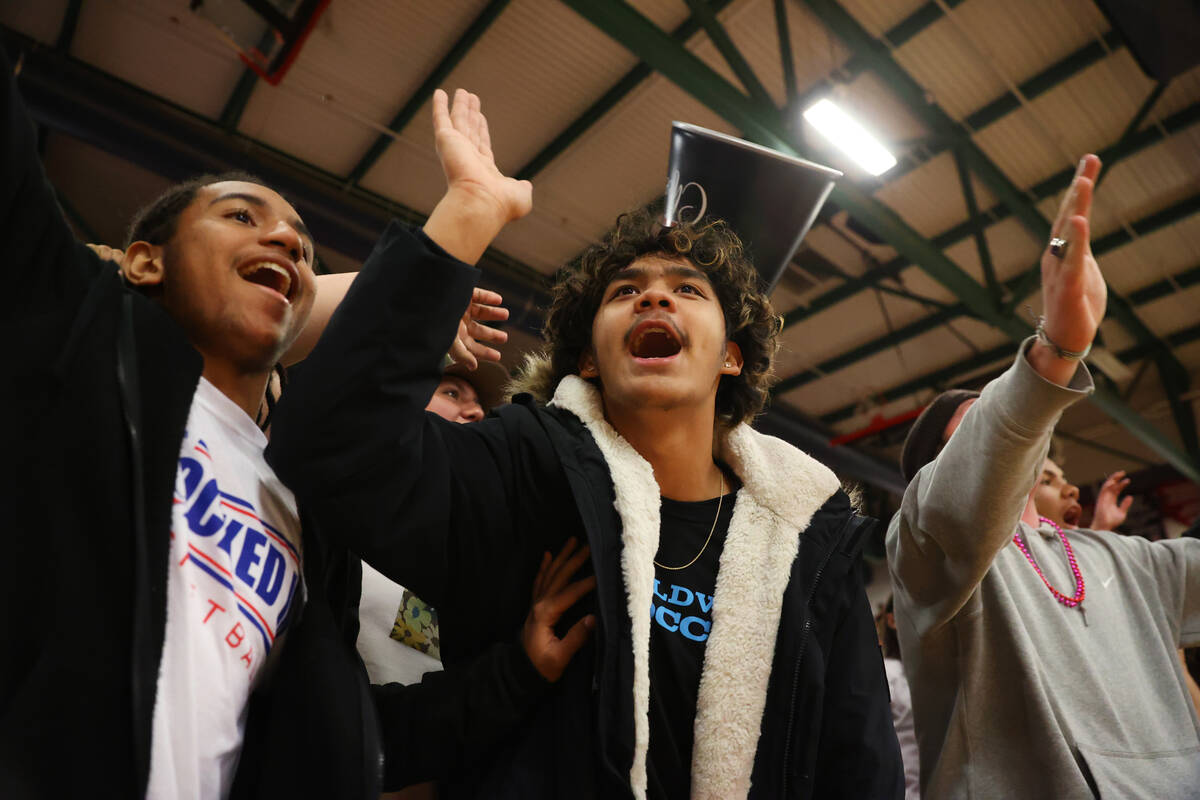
column 1069, row 602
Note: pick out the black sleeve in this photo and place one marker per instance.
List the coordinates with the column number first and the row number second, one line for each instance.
column 431, row 504
column 859, row 755
column 44, row 269
column 455, row 716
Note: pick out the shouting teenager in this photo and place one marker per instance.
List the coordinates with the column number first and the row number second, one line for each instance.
column 734, row 650
column 1041, row 658
column 169, row 628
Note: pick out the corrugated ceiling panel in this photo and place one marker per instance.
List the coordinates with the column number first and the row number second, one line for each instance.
column 917, row 280
column 970, row 57
column 1172, row 313
column 1116, row 337
column 37, row 19
column 368, row 57
column 879, row 16
column 171, row 42
column 666, row 14
column 1181, row 92
column 1189, row 355
column 751, row 26
column 966, row 255
column 1150, row 181
column 619, row 164
column 1153, row 257
column 879, row 372
column 1013, row 248
column 537, row 69
column 835, row 330
column 929, row 198
column 1085, row 114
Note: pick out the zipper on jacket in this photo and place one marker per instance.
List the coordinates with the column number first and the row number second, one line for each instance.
column 787, row 741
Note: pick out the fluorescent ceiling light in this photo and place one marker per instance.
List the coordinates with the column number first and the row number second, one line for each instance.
column 848, row 136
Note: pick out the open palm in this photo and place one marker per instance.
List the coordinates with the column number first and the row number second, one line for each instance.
column 465, row 149
column 1074, row 295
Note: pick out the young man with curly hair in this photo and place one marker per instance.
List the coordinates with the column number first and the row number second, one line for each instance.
column 734, row 652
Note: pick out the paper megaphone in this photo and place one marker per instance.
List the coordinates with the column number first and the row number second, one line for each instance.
column 769, row 199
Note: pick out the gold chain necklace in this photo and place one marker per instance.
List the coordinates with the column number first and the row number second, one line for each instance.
column 720, row 499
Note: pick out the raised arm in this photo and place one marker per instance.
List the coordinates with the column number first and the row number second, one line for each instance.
column 412, row 494
column 45, row 268
column 959, row 511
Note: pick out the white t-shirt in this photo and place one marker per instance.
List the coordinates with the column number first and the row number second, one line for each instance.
column 397, row 633
column 902, row 720
column 234, row 572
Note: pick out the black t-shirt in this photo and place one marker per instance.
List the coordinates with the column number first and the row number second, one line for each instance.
column 680, row 619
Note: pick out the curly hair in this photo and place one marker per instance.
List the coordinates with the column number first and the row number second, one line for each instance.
column 712, row 247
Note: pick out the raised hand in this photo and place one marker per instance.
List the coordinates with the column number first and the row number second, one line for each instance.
column 552, row 596
column 1074, row 295
column 479, row 199
column 464, row 146
column 1110, row 510
column 469, row 348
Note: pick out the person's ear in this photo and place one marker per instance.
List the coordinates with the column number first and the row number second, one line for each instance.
column 732, row 364
column 143, row 264
column 587, row 365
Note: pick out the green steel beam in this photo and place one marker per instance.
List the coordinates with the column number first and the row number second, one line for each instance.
column 1131, row 131
column 1180, row 120
column 1102, row 246
column 654, row 46
column 945, row 376
column 1154, row 291
column 440, row 72
column 728, row 50
column 1176, row 386
column 786, row 61
column 66, row 31
column 231, row 114
column 624, row 24
column 1052, row 76
column 906, row 29
column 914, row 96
column 1110, row 402
column 1103, row 448
column 1105, row 398
column 615, row 94
column 981, row 245
column 1139, row 117
column 1117, row 238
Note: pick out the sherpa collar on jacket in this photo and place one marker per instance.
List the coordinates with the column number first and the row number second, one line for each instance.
column 781, row 489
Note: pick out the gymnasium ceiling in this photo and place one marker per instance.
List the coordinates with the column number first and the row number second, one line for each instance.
column 910, row 283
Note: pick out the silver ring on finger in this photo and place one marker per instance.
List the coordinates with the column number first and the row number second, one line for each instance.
column 1058, row 246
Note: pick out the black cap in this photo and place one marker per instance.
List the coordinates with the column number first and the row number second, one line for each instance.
column 924, row 440
column 769, row 199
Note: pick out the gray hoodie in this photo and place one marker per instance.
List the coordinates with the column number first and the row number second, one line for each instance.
column 1014, row 694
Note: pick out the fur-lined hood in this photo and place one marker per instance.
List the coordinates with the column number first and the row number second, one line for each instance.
column 782, row 488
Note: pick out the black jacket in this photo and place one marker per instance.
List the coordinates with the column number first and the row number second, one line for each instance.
column 98, row 386
column 460, row 514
